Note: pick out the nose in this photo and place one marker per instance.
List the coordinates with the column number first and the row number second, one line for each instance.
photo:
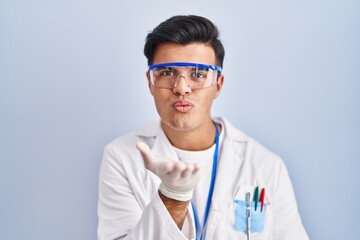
column 181, row 86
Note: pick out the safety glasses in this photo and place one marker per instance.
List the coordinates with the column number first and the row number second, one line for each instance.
column 166, row 75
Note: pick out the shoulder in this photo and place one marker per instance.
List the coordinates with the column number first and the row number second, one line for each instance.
column 250, row 148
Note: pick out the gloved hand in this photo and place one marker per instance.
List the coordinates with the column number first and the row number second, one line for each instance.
column 178, row 179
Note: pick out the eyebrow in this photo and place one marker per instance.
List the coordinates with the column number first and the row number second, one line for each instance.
column 165, row 67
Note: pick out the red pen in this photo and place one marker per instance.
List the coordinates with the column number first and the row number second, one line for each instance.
column 262, row 198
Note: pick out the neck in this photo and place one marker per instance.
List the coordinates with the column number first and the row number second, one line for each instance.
column 200, row 138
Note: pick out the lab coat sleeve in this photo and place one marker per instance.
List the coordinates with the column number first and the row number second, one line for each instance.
column 287, row 221
column 122, row 215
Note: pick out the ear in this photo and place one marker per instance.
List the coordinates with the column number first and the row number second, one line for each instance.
column 219, row 84
column 149, row 83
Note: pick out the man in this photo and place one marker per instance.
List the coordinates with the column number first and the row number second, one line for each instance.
column 203, row 178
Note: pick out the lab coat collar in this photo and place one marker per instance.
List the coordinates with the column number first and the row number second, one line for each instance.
column 231, row 132
column 161, row 145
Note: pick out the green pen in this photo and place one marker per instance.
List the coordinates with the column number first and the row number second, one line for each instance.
column 256, row 196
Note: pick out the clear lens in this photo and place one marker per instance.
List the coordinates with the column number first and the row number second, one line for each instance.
column 197, row 75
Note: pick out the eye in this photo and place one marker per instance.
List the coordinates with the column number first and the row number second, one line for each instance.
column 198, row 75
column 167, row 72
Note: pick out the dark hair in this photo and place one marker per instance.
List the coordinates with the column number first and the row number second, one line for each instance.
column 185, row 30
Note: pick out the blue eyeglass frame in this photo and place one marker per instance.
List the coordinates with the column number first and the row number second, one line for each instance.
column 185, row 64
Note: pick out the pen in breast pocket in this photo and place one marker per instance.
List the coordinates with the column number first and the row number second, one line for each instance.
column 262, row 198
column 256, row 197
column 248, row 213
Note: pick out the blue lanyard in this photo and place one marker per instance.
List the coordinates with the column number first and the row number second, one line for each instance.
column 211, row 189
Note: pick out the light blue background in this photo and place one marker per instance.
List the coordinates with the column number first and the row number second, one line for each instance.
column 72, row 79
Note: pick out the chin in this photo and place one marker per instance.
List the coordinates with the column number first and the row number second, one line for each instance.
column 178, row 124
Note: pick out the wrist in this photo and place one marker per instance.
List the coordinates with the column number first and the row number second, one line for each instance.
column 182, row 196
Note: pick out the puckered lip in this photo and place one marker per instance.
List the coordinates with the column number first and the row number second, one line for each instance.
column 183, row 106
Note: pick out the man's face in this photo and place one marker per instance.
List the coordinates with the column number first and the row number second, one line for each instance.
column 182, row 108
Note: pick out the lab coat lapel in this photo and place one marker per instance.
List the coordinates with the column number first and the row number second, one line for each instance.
column 229, row 159
column 221, row 187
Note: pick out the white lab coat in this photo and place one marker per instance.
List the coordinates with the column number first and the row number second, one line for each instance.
column 129, row 206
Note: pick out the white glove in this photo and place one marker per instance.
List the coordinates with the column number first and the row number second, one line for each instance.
column 178, row 179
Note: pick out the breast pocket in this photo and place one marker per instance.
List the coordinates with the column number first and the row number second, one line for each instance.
column 260, row 220
column 257, row 217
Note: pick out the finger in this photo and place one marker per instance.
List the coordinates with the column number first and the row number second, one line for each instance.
column 146, row 154
column 167, row 167
column 180, row 166
column 175, row 173
column 196, row 169
column 188, row 170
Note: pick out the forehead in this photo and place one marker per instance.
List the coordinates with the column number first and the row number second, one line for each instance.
column 194, row 52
